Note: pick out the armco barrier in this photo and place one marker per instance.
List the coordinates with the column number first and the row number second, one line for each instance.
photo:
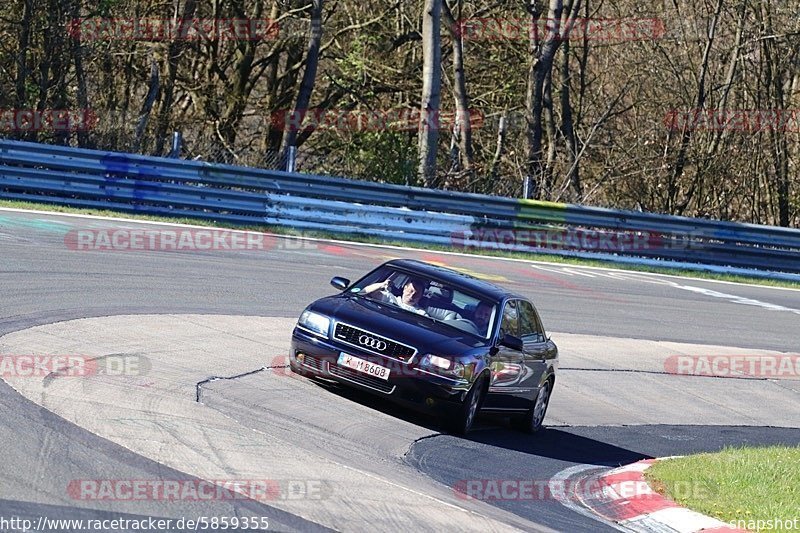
column 164, row 186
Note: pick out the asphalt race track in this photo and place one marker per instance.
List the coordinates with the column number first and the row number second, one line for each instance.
column 342, row 460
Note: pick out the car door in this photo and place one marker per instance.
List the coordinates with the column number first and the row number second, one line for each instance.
column 537, row 350
column 550, row 348
column 508, row 365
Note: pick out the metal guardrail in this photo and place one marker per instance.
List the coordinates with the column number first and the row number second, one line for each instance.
column 164, row 186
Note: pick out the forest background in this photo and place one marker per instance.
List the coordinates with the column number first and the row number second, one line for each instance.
column 679, row 107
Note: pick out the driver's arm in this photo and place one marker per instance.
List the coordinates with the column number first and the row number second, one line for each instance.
column 381, row 285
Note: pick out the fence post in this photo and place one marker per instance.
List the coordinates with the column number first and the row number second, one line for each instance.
column 291, row 158
column 177, row 140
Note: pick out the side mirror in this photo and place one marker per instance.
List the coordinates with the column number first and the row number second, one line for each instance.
column 510, row 341
column 340, row 283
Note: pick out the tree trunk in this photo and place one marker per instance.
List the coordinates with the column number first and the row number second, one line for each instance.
column 502, row 129
column 80, row 77
column 567, row 126
column 174, row 53
column 673, row 206
column 774, row 82
column 309, row 75
column 271, row 142
column 541, row 64
column 147, row 106
column 58, row 13
column 550, row 129
column 463, row 121
column 22, row 58
column 431, row 92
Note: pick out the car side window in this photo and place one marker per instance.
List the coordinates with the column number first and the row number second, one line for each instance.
column 530, row 328
column 510, row 323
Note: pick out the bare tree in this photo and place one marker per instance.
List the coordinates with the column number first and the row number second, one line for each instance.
column 567, row 125
column 542, row 49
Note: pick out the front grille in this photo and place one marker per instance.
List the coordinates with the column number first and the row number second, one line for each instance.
column 394, row 349
column 362, row 379
column 313, row 362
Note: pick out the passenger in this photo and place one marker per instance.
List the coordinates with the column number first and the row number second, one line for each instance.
column 482, row 315
column 409, row 300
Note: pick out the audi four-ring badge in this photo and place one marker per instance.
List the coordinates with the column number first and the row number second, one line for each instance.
column 372, row 342
column 433, row 339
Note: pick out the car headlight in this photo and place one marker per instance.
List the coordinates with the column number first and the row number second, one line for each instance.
column 315, row 322
column 447, row 367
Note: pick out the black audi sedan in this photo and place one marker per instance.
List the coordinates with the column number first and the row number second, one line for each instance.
column 434, row 339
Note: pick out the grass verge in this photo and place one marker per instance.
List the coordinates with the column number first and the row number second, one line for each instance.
column 372, row 240
column 748, row 484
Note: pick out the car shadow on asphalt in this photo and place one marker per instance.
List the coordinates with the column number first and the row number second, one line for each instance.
column 557, row 443
column 376, row 403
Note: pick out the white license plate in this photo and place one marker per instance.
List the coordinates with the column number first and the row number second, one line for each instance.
column 361, row 365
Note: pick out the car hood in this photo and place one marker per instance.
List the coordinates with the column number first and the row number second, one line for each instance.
column 425, row 334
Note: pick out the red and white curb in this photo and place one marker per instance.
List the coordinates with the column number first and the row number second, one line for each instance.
column 626, row 498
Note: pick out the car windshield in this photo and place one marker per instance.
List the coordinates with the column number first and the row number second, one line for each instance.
column 428, row 297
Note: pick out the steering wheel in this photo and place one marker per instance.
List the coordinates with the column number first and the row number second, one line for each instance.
column 465, row 324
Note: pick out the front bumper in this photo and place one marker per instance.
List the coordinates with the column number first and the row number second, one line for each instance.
column 407, row 383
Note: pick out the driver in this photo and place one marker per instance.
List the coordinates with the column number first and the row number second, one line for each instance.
column 409, row 300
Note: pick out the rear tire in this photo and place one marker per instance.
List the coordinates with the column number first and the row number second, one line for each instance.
column 533, row 420
column 463, row 421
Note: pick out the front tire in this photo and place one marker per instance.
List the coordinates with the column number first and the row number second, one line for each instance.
column 463, row 421
column 533, row 420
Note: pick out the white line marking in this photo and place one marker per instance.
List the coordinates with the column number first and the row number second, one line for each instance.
column 604, row 274
column 553, row 270
column 627, row 276
column 630, row 276
column 578, row 272
column 737, row 299
column 618, row 271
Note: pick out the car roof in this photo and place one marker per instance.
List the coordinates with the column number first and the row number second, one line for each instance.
column 455, row 278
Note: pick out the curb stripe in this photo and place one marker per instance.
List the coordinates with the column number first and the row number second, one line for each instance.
column 626, row 498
